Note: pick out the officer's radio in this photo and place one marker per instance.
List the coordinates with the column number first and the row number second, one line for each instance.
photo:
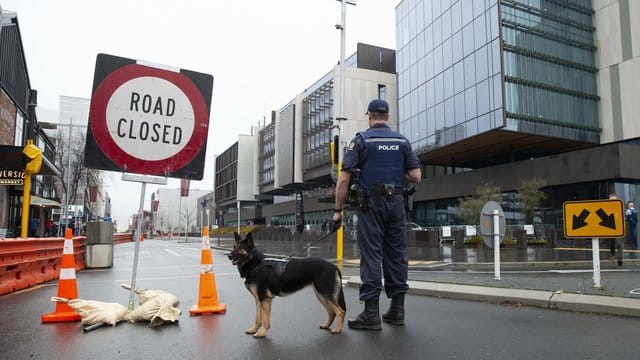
column 356, row 195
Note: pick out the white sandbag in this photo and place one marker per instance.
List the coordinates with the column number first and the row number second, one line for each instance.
column 145, row 295
column 93, row 312
column 157, row 311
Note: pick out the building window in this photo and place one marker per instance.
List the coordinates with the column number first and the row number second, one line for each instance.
column 382, row 92
column 318, row 119
column 19, row 134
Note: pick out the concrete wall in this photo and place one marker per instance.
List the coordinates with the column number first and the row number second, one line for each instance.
column 600, row 163
column 361, row 86
column 247, row 179
column 617, row 38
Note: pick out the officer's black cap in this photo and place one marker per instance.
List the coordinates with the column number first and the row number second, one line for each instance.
column 378, row 106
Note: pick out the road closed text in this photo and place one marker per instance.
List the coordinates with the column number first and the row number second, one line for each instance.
column 145, row 130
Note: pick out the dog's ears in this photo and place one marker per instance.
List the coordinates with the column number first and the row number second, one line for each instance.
column 249, row 239
column 237, row 236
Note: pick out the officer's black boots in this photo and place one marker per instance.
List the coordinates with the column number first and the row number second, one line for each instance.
column 395, row 314
column 369, row 318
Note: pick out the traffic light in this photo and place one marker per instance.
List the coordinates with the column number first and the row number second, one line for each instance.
column 335, row 150
column 34, row 158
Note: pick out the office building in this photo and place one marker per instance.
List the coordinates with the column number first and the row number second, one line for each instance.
column 289, row 157
column 498, row 92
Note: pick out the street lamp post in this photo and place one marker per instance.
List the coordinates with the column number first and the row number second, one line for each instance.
column 341, row 118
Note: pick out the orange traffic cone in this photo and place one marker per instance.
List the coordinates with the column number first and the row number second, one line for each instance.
column 67, row 287
column 207, row 293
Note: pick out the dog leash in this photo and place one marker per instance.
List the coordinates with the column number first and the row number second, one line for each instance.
column 334, row 228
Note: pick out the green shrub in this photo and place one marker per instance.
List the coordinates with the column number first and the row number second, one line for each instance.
column 474, row 240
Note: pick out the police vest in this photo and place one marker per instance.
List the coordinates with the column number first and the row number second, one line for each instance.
column 383, row 162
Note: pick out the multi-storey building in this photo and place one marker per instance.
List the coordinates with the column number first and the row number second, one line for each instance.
column 71, row 131
column 236, row 182
column 18, row 123
column 172, row 212
column 262, row 173
column 503, row 91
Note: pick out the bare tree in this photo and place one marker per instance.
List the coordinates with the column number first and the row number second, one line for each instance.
column 188, row 217
column 163, row 223
column 74, row 177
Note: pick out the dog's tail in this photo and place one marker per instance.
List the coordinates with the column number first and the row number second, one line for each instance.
column 341, row 301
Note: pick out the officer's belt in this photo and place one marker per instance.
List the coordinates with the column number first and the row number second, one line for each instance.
column 396, row 191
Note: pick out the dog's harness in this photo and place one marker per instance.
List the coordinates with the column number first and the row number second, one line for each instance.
column 278, row 265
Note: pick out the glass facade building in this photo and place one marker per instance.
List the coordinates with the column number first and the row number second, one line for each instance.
column 469, row 67
column 266, row 155
column 549, row 68
column 484, row 83
column 449, row 71
column 317, row 115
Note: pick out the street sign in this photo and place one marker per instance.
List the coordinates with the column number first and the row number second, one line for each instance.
column 148, row 119
column 594, row 219
column 486, row 222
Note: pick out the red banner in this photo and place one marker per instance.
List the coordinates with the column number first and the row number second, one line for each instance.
column 93, row 193
column 184, row 187
column 155, row 205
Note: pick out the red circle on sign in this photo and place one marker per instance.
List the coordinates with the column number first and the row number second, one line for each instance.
column 102, row 136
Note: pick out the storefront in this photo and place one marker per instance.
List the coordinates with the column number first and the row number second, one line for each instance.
column 11, row 193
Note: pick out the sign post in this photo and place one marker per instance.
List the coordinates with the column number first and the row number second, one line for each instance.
column 595, row 249
column 492, row 228
column 136, row 236
column 496, row 244
column 147, row 119
column 594, row 219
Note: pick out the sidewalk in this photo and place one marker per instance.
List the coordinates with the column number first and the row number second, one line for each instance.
column 562, row 289
column 553, row 278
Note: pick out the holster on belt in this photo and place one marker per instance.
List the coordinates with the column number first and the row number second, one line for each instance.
column 386, row 190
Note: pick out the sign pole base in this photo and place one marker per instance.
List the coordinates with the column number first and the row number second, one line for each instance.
column 595, row 245
column 496, row 244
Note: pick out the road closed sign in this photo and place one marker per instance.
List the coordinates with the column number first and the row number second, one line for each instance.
column 148, row 119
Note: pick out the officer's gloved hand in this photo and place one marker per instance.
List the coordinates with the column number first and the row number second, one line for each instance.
column 335, row 225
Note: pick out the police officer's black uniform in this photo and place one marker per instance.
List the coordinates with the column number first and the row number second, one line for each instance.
column 383, row 157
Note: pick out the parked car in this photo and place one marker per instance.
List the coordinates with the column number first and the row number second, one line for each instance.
column 415, row 227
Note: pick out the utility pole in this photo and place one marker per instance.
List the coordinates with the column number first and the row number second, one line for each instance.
column 341, row 118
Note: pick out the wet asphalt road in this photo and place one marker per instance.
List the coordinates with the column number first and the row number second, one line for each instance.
column 436, row 328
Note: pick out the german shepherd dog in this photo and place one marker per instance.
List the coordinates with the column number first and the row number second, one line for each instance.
column 268, row 277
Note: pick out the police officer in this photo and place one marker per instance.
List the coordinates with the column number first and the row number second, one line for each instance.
column 385, row 161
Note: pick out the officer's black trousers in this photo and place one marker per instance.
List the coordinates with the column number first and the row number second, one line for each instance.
column 382, row 237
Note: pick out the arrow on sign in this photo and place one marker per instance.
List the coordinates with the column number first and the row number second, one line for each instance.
column 579, row 221
column 607, row 220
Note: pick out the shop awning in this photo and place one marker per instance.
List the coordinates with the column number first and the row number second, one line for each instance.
column 39, row 201
column 11, row 158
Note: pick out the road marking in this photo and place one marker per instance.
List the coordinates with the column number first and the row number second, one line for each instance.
column 190, row 248
column 474, row 272
column 589, row 249
column 172, row 252
column 35, row 287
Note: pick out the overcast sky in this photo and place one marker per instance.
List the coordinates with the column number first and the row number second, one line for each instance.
column 260, row 53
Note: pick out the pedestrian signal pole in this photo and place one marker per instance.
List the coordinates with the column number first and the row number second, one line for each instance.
column 336, row 165
column 34, row 158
